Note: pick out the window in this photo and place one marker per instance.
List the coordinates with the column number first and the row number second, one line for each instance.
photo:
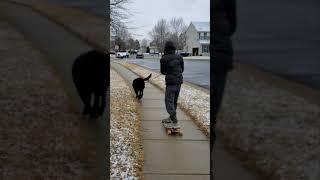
column 205, row 37
column 200, row 35
column 205, row 48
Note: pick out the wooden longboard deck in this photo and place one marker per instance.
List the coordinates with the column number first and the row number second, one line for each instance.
column 171, row 131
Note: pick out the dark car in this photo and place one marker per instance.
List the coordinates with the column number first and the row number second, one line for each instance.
column 139, row 55
column 184, row 54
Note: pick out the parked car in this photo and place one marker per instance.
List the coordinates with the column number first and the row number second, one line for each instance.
column 133, row 51
column 139, row 55
column 122, row 54
column 184, row 54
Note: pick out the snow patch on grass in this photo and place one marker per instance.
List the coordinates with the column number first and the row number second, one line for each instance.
column 126, row 151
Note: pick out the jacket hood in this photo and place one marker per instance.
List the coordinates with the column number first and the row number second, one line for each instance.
column 169, row 52
column 169, row 48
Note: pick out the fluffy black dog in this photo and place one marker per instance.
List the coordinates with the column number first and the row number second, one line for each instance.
column 90, row 73
column 139, row 85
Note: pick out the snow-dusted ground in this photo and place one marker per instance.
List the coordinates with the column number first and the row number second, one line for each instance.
column 39, row 134
column 195, row 101
column 275, row 129
column 126, row 151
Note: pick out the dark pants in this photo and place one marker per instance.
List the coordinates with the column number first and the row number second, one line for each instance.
column 171, row 99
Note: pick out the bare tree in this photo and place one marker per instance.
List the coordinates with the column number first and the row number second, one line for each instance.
column 144, row 44
column 178, row 28
column 120, row 43
column 182, row 40
column 122, row 37
column 160, row 34
column 136, row 45
column 131, row 44
column 177, row 25
column 118, row 14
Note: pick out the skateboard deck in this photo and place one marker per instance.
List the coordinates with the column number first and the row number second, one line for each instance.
column 171, row 131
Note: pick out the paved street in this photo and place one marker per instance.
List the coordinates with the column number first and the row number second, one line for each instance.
column 196, row 71
column 286, row 41
column 96, row 7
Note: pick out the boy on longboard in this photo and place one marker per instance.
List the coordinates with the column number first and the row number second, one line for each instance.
column 172, row 66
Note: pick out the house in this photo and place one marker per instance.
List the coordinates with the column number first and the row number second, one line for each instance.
column 153, row 48
column 198, row 39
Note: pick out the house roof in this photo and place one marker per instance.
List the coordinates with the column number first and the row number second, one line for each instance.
column 202, row 26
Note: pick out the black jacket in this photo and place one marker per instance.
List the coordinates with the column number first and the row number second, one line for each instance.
column 172, row 66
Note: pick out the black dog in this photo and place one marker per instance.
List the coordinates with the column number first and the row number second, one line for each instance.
column 90, row 73
column 139, row 85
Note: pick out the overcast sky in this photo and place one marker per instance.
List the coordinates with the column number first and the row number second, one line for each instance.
column 145, row 13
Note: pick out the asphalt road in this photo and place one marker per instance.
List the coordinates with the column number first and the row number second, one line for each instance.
column 281, row 37
column 196, row 71
column 96, row 7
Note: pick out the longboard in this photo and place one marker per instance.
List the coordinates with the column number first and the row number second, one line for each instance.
column 172, row 131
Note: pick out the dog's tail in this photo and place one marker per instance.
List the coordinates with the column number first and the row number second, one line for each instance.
column 147, row 78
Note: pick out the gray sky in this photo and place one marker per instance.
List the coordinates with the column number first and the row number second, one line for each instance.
column 145, row 13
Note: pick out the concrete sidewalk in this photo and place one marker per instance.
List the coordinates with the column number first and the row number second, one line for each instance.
column 174, row 157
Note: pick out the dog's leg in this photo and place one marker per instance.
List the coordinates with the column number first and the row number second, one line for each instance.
column 94, row 111
column 102, row 104
column 137, row 93
column 86, row 98
column 140, row 95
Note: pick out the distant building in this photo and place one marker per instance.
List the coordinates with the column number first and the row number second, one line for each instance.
column 198, row 39
column 153, row 48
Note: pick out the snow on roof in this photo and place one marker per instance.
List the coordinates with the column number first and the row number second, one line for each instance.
column 201, row 26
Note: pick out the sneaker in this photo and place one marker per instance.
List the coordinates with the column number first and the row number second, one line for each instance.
column 167, row 120
column 173, row 125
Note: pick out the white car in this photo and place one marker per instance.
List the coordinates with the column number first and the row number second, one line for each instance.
column 122, row 54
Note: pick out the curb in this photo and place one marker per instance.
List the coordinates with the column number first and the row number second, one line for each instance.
column 186, row 58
